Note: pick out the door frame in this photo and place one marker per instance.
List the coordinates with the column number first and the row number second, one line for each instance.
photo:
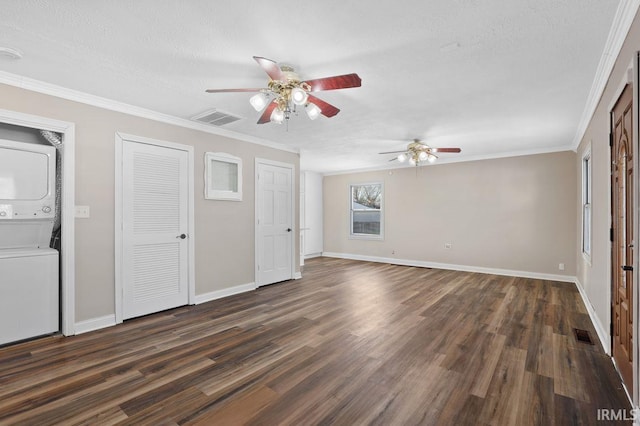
column 294, row 254
column 67, row 253
column 630, row 76
column 119, row 285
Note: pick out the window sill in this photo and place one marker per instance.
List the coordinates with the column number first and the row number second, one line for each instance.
column 366, row 237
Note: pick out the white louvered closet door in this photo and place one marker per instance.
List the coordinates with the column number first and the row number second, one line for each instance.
column 155, row 226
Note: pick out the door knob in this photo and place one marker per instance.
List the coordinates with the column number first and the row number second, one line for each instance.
column 182, row 236
column 288, row 229
column 626, row 268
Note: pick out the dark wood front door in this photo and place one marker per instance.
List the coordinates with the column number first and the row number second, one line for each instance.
column 622, row 245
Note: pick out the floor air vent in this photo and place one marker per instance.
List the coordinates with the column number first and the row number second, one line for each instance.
column 583, row 336
column 216, row 117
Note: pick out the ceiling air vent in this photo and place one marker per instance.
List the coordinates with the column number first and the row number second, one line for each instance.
column 215, row 117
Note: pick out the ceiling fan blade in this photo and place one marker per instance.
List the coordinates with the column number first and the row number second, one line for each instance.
column 446, row 149
column 231, row 90
column 270, row 67
column 336, row 82
column 394, row 159
column 327, row 109
column 266, row 115
column 393, row 152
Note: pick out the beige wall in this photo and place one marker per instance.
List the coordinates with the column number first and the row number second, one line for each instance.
column 513, row 213
column 224, row 240
column 594, row 276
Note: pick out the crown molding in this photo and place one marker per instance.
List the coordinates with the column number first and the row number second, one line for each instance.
column 109, row 104
column 622, row 21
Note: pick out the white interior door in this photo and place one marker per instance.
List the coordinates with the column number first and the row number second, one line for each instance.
column 155, row 226
column 274, row 224
column 303, row 228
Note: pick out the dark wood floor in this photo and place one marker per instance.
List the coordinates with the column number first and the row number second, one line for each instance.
column 350, row 343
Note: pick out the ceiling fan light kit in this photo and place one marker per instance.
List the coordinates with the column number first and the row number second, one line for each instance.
column 289, row 92
column 299, row 96
column 277, row 116
column 313, row 111
column 418, row 152
column 259, row 101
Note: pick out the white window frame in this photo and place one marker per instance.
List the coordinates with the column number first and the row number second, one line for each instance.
column 210, row 159
column 586, row 166
column 355, row 236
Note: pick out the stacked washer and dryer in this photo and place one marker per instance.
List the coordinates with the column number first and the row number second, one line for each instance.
column 29, row 279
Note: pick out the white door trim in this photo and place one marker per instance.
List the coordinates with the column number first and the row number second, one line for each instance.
column 68, row 261
column 630, row 76
column 294, row 226
column 120, row 139
column 635, row 80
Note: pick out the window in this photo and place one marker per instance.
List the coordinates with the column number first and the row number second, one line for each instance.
column 586, row 203
column 223, row 176
column 366, row 216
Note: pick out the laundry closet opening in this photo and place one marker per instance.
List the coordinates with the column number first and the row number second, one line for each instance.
column 30, row 232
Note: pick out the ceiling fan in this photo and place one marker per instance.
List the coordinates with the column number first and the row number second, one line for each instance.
column 417, row 152
column 285, row 91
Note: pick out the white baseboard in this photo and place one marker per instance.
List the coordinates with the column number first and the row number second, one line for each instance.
column 312, row 255
column 297, row 275
column 95, row 324
column 219, row 294
column 110, row 320
column 454, row 267
column 603, row 332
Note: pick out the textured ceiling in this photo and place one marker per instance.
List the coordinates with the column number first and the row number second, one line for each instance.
column 493, row 77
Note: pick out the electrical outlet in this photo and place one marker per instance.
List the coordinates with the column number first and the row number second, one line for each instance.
column 83, row 212
column 561, row 266
column 447, row 245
